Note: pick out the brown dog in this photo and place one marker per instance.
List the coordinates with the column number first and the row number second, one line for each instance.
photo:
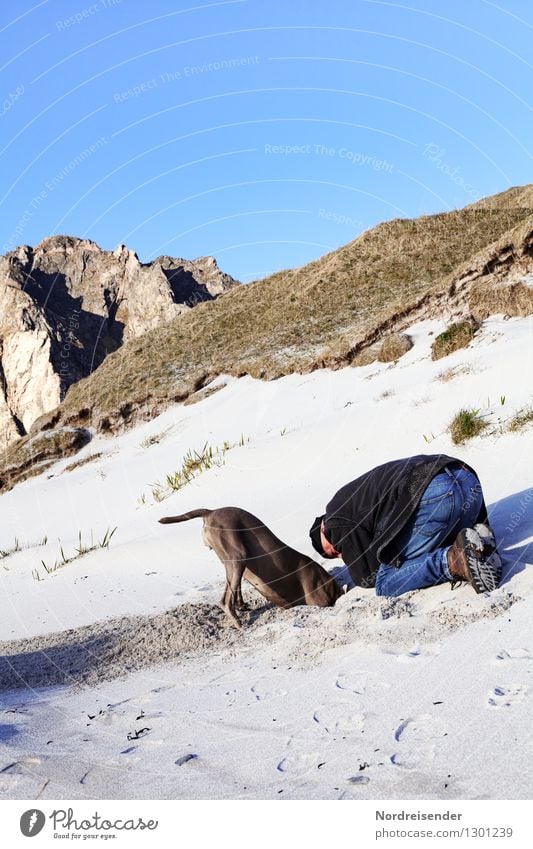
column 248, row 549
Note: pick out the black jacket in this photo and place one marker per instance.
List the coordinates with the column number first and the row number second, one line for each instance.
column 365, row 516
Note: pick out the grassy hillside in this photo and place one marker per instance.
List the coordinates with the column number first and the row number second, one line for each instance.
column 294, row 320
column 517, row 196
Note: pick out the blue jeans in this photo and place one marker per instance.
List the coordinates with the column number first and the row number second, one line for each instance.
column 452, row 501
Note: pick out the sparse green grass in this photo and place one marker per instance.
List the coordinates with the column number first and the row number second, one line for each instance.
column 18, row 547
column 521, row 419
column 465, row 425
column 193, row 464
column 457, row 335
column 80, row 551
column 9, row 551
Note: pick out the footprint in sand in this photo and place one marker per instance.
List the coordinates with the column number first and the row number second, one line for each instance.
column 359, row 779
column 154, row 714
column 267, row 689
column 162, row 689
column 417, row 739
column 24, row 775
column 299, row 762
column 509, row 655
column 22, row 767
column 506, row 696
column 339, row 720
column 353, row 681
column 413, row 653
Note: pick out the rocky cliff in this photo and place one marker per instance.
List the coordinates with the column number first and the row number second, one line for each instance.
column 66, row 303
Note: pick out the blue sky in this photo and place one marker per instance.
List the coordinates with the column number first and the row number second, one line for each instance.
column 265, row 133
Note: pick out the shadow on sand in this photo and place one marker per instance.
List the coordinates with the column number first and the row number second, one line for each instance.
column 53, row 664
column 511, row 519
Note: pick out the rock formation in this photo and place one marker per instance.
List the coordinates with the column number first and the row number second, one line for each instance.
column 66, row 304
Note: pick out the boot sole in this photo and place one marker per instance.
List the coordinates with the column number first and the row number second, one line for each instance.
column 487, row 538
column 482, row 574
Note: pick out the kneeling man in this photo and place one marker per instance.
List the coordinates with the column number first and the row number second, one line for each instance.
column 411, row 523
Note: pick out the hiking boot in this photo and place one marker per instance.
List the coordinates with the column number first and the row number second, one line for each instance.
column 489, row 547
column 487, row 538
column 467, row 562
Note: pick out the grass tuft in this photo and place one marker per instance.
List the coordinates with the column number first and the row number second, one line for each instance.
column 521, row 419
column 7, row 552
column 465, row 425
column 80, row 551
column 193, row 464
column 451, row 373
column 457, row 335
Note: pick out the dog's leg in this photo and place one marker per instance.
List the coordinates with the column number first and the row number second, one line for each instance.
column 231, row 551
column 234, row 572
column 239, row 601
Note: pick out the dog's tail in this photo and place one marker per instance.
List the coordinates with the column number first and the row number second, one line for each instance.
column 193, row 514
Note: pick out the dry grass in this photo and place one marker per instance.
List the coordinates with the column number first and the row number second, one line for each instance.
column 465, row 425
column 516, row 196
column 365, row 357
column 521, row 419
column 451, row 373
column 155, row 438
column 394, row 346
column 488, row 298
column 456, row 336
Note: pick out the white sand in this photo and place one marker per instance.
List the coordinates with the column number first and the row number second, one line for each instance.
column 425, row 696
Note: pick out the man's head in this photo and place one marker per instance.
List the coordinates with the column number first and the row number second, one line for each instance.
column 320, row 541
